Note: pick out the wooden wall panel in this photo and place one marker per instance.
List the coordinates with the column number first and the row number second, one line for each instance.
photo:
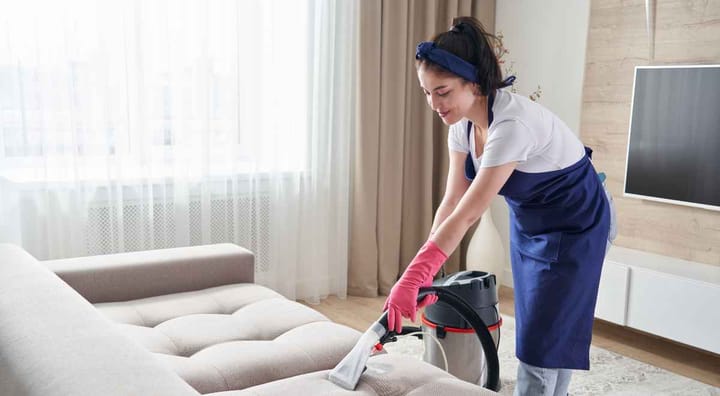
column 686, row 32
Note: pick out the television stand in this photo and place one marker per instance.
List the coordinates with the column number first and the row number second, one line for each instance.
column 669, row 297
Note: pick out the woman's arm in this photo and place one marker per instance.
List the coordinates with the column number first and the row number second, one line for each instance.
column 472, row 205
column 455, row 188
column 402, row 300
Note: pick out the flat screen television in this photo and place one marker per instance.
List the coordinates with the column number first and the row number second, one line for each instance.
column 673, row 152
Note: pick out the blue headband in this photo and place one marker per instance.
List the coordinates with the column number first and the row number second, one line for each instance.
column 447, row 60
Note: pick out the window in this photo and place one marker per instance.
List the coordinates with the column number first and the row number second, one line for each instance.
column 215, row 87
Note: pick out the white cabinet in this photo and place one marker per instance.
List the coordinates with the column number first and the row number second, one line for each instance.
column 681, row 309
column 668, row 297
column 612, row 296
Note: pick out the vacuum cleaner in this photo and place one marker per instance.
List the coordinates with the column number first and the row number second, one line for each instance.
column 465, row 321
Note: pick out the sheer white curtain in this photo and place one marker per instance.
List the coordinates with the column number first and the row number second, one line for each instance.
column 132, row 125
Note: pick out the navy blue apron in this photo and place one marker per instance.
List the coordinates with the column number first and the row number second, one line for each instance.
column 559, row 224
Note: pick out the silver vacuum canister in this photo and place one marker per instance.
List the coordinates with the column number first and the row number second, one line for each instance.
column 465, row 356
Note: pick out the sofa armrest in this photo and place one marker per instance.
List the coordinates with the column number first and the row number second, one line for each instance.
column 53, row 342
column 129, row 276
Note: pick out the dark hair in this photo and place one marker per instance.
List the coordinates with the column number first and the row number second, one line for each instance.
column 468, row 39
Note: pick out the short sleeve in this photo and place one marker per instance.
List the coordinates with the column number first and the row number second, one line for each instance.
column 509, row 141
column 457, row 137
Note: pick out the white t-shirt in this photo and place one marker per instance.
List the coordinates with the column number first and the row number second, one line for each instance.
column 522, row 131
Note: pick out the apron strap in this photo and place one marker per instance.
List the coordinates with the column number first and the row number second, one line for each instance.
column 507, row 82
column 469, row 165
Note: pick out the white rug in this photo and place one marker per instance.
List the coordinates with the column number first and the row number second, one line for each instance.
column 610, row 373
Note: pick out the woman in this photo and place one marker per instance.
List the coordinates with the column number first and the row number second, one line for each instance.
column 559, row 215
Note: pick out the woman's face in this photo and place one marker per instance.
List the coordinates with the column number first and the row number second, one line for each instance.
column 451, row 97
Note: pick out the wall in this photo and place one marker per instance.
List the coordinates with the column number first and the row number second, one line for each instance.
column 547, row 43
column 686, row 32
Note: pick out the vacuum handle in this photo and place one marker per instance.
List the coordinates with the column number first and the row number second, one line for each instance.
column 422, row 292
column 383, row 320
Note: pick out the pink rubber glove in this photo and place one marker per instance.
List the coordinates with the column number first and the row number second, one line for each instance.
column 402, row 301
column 430, row 299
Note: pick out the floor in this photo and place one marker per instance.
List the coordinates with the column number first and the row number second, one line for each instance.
column 360, row 312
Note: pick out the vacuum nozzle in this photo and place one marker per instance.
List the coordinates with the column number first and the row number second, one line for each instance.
column 347, row 373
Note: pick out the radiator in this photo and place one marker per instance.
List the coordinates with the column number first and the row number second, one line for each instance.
column 243, row 220
column 133, row 225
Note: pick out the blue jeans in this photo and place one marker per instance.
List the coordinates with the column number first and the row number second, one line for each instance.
column 538, row 381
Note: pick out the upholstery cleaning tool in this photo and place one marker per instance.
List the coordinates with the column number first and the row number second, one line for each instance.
column 347, row 373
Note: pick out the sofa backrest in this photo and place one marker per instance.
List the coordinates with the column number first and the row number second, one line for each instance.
column 54, row 342
column 149, row 273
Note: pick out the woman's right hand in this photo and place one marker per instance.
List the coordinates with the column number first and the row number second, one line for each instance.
column 402, row 301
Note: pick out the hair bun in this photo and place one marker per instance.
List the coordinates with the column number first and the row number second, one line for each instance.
column 458, row 27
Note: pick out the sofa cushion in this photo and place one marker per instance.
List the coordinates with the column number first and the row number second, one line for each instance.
column 152, row 311
column 387, row 374
column 232, row 337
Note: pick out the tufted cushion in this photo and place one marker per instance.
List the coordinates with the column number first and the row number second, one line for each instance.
column 386, row 374
column 232, row 337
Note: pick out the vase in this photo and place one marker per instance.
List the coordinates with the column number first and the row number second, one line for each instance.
column 486, row 251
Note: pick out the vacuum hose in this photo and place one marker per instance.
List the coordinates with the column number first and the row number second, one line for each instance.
column 468, row 313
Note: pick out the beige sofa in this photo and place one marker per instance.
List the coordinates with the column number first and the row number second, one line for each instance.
column 183, row 321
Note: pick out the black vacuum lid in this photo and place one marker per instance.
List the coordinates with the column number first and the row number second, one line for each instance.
column 477, row 288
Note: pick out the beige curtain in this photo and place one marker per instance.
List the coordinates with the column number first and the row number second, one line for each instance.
column 401, row 156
